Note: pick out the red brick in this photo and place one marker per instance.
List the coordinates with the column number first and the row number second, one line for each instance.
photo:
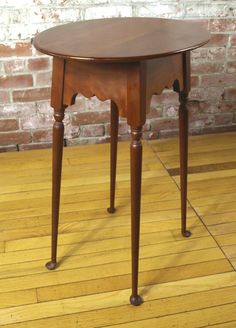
column 170, row 111
column 223, row 25
column 123, row 128
column 197, row 107
column 223, row 119
column 231, row 67
column 165, row 98
column 233, row 40
column 37, row 122
column 8, row 125
column 219, row 129
column 94, row 103
column 5, row 149
column 166, row 134
column 38, row 64
column 230, row 94
column 43, row 79
column 207, row 67
column 218, row 80
column 88, row 140
column 201, row 119
column 44, row 107
column 226, row 107
column 92, row 130
column 42, row 135
column 16, row 81
column 194, row 107
column 200, row 53
column 216, row 54
column 163, row 124
column 80, row 105
column 17, row 49
column 206, row 94
column 155, row 112
column 31, row 94
column 196, row 131
column 31, row 146
column 232, row 53
column 91, row 117
column 125, row 137
column 71, row 131
column 14, row 138
column 14, row 66
column 4, row 97
column 19, row 110
column 218, row 40
column 194, row 81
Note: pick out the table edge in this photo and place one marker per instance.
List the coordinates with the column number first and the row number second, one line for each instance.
column 122, row 59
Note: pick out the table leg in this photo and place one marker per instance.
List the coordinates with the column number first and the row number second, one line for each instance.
column 183, row 141
column 136, row 172
column 113, row 155
column 57, row 149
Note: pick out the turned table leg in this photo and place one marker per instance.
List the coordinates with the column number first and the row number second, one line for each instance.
column 183, row 141
column 58, row 133
column 136, row 172
column 113, row 155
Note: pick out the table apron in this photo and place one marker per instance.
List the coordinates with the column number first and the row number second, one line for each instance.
column 129, row 85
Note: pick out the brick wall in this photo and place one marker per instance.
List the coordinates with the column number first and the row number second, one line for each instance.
column 25, row 74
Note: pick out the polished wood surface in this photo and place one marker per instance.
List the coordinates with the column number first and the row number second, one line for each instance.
column 121, row 39
column 113, row 154
column 136, row 151
column 183, row 281
column 138, row 57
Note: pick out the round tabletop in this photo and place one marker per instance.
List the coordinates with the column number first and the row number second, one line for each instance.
column 121, row 39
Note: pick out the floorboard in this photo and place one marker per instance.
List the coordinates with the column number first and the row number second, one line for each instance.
column 184, row 282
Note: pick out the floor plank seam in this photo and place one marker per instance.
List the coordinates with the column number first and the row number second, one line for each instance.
column 184, row 282
column 195, row 211
column 217, row 243
column 171, row 314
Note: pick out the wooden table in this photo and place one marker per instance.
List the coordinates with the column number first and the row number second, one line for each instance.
column 126, row 60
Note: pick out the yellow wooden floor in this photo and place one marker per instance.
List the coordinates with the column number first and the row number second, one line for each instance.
column 184, row 282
